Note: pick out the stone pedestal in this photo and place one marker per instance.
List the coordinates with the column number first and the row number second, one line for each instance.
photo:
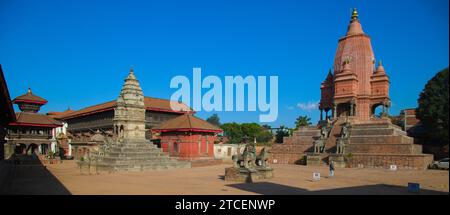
column 338, row 159
column 313, row 159
column 248, row 175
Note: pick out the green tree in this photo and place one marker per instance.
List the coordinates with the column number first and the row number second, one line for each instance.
column 232, row 131
column 281, row 132
column 433, row 107
column 250, row 129
column 214, row 119
column 264, row 136
column 302, row 121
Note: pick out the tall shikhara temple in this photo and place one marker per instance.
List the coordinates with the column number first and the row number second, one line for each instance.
column 357, row 86
column 354, row 136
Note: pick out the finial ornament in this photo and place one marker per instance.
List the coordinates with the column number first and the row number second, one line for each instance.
column 132, row 69
column 380, row 63
column 354, row 14
column 29, row 90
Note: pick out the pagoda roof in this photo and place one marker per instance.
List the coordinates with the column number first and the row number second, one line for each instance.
column 29, row 97
column 187, row 122
column 152, row 104
column 34, row 119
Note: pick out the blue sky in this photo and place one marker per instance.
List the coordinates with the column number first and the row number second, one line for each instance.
column 77, row 53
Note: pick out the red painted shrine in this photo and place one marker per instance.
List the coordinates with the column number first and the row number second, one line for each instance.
column 188, row 137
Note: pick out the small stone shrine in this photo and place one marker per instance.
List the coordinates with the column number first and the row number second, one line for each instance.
column 249, row 167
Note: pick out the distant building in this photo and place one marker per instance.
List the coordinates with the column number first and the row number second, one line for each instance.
column 7, row 114
column 411, row 124
column 32, row 131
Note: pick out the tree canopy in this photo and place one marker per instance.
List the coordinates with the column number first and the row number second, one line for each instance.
column 214, row 119
column 302, row 121
column 282, row 132
column 433, row 107
column 235, row 132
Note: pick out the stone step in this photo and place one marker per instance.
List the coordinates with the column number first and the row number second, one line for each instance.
column 291, row 148
column 141, row 153
column 403, row 148
column 141, row 167
column 374, row 139
column 126, row 159
column 371, row 131
column 134, row 150
column 384, row 125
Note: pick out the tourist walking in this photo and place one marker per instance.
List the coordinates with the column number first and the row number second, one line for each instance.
column 331, row 168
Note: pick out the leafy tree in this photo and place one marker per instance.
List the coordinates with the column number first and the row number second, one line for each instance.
column 214, row 119
column 264, row 136
column 302, row 121
column 433, row 107
column 250, row 129
column 233, row 132
column 282, row 132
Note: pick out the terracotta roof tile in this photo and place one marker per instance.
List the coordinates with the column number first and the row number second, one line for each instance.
column 59, row 115
column 187, row 122
column 154, row 104
column 35, row 119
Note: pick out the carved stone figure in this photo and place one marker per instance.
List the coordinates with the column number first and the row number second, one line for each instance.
column 340, row 146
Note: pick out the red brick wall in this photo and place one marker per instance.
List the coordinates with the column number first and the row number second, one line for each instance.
column 188, row 144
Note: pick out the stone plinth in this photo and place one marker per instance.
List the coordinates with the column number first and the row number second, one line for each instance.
column 248, row 175
column 136, row 156
column 314, row 160
column 338, row 159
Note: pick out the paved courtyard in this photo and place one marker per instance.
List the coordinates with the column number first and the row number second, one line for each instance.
column 65, row 178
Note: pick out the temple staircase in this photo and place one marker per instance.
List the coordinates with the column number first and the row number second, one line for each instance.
column 295, row 147
column 382, row 145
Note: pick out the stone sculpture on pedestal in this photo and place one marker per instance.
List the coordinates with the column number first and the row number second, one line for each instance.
column 248, row 166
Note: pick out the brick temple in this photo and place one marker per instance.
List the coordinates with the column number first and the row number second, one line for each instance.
column 352, row 92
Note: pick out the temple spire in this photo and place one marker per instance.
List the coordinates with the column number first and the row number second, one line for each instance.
column 354, row 27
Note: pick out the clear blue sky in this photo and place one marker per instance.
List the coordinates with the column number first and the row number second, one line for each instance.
column 77, row 53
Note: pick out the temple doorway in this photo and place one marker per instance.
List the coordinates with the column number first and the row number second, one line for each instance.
column 176, row 148
column 20, row 149
column 343, row 109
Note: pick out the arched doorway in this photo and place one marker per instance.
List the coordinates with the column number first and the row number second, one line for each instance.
column 32, row 149
column 343, row 109
column 20, row 149
column 377, row 110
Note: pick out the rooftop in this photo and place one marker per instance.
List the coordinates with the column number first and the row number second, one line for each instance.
column 152, row 104
column 187, row 122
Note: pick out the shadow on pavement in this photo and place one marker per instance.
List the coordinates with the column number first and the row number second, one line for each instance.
column 28, row 176
column 268, row 188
